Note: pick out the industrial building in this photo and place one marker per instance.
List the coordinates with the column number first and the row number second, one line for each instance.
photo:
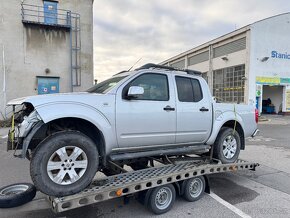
column 249, row 65
column 46, row 46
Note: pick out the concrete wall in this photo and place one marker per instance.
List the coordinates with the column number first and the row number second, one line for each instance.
column 29, row 50
column 269, row 35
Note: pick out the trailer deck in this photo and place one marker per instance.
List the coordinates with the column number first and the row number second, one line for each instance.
column 141, row 180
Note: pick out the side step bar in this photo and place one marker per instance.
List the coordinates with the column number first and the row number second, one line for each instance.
column 161, row 152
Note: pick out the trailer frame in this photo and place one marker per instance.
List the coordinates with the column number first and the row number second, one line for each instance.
column 141, row 180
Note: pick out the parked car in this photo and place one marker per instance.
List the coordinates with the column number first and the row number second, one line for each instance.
column 150, row 112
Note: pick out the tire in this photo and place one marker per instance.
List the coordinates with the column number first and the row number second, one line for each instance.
column 16, row 194
column 227, row 135
column 140, row 165
column 193, row 189
column 155, row 200
column 64, row 163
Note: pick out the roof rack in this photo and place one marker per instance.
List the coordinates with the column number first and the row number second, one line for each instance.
column 150, row 65
column 124, row 71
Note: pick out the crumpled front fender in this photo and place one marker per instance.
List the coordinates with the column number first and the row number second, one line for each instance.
column 28, row 138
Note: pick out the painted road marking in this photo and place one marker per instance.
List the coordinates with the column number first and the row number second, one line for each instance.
column 229, row 206
column 5, row 137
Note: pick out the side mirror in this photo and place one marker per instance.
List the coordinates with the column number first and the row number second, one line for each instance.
column 135, row 91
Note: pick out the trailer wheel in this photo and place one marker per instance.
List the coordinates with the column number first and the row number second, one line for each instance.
column 16, row 194
column 161, row 199
column 65, row 163
column 227, row 145
column 193, row 189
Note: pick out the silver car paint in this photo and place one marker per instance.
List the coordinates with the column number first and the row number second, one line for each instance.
column 138, row 123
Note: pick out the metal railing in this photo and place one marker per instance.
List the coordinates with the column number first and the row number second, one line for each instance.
column 38, row 15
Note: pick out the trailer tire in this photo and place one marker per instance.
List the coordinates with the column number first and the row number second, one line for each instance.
column 161, row 199
column 193, row 189
column 64, row 163
column 16, row 194
column 227, row 145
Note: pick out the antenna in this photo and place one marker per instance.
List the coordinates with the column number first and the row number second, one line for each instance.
column 135, row 64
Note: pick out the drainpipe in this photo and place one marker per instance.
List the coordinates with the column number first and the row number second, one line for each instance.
column 210, row 68
column 71, row 52
column 4, row 76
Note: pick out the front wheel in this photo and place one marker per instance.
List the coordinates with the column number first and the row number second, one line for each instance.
column 64, row 163
column 227, row 145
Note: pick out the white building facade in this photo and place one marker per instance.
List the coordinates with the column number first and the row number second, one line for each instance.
column 250, row 65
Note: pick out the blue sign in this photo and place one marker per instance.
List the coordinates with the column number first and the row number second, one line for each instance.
column 275, row 54
column 47, row 85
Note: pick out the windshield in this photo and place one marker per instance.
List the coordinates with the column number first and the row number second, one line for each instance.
column 106, row 85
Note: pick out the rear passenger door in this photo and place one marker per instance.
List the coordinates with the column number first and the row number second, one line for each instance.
column 194, row 111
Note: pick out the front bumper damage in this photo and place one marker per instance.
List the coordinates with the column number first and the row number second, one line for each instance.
column 19, row 131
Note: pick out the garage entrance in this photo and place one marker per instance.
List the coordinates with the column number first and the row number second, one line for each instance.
column 272, row 99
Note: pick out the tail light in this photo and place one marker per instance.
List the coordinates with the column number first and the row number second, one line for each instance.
column 256, row 115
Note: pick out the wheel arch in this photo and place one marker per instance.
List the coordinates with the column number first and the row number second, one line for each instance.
column 231, row 122
column 79, row 124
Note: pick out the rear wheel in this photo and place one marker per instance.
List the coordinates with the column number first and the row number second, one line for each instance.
column 64, row 163
column 227, row 145
column 193, row 189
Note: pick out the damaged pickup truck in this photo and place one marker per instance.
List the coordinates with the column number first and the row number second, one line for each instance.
column 154, row 111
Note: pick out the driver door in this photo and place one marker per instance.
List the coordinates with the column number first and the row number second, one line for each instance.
column 146, row 120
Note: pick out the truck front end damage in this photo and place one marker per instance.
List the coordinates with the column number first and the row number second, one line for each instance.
column 22, row 122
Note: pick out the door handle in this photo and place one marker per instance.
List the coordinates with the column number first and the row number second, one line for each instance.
column 168, row 108
column 203, row 109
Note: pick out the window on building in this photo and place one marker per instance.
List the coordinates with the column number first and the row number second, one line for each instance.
column 230, row 47
column 179, row 64
column 199, row 58
column 229, row 84
column 188, row 90
column 155, row 87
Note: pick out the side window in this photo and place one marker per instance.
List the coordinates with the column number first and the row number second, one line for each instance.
column 184, row 89
column 196, row 90
column 155, row 87
column 188, row 90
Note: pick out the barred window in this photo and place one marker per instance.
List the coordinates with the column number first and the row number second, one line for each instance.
column 229, row 84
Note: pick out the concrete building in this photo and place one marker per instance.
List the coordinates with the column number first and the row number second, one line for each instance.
column 46, row 46
column 249, row 65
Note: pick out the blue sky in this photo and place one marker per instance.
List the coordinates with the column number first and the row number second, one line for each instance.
column 155, row 30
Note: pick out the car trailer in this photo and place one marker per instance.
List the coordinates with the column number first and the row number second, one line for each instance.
column 156, row 186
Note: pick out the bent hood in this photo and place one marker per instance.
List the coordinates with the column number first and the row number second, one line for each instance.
column 37, row 100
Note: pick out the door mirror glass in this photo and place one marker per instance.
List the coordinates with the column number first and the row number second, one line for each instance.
column 135, row 91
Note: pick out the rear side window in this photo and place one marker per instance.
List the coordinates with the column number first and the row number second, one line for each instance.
column 188, row 89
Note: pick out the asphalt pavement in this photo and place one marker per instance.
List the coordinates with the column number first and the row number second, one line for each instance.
column 261, row 193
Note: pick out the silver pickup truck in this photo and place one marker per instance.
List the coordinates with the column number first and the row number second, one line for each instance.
column 154, row 111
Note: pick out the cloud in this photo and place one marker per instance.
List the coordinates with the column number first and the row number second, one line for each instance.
column 155, row 30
